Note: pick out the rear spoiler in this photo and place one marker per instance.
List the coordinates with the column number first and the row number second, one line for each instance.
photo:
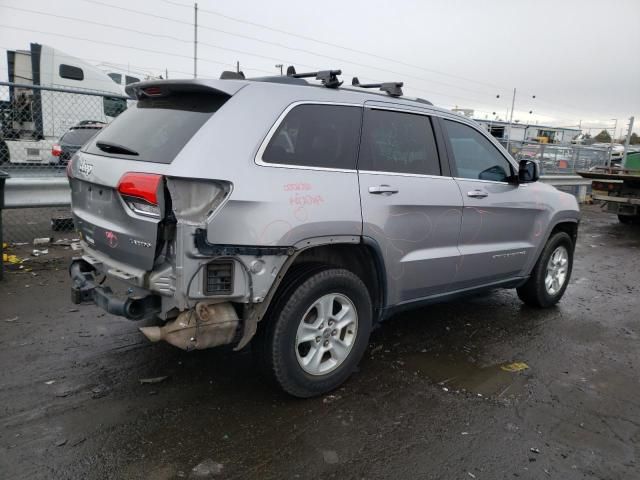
column 162, row 88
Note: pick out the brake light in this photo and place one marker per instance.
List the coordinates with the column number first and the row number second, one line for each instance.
column 152, row 91
column 56, row 150
column 140, row 192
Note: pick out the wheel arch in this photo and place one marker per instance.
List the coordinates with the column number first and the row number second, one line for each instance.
column 570, row 227
column 363, row 257
column 567, row 224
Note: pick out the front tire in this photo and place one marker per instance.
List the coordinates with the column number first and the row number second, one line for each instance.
column 551, row 274
column 315, row 335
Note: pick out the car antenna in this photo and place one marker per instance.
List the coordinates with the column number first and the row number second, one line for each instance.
column 329, row 78
column 392, row 88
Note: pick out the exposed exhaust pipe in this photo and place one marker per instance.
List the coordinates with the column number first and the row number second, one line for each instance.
column 204, row 326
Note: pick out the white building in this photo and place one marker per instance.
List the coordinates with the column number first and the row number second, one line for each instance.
column 529, row 133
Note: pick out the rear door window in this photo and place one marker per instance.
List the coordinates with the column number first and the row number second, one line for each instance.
column 157, row 128
column 398, row 142
column 323, row 136
column 79, row 136
column 475, row 156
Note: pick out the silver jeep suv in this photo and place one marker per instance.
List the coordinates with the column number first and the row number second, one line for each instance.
column 300, row 215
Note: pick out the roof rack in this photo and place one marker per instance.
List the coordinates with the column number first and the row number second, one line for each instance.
column 229, row 75
column 392, row 88
column 329, row 78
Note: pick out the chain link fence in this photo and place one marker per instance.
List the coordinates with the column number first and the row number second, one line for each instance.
column 561, row 159
column 40, row 130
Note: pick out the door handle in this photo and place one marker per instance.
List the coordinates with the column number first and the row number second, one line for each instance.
column 477, row 194
column 383, row 190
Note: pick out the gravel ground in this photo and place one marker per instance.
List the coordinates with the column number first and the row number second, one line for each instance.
column 430, row 400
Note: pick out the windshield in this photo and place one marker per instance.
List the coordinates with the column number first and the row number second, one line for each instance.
column 157, row 128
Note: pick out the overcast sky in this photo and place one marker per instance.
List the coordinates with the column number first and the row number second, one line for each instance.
column 581, row 59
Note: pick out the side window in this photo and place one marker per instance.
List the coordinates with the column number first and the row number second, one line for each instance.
column 398, row 142
column 116, row 77
column 113, row 106
column 316, row 136
column 475, row 157
column 70, row 72
column 129, row 80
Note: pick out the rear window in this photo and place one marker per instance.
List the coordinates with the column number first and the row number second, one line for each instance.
column 157, row 128
column 323, row 136
column 79, row 136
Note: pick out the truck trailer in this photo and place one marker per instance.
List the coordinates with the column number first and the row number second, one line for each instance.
column 32, row 119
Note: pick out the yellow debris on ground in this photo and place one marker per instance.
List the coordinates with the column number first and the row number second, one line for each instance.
column 514, row 367
column 11, row 259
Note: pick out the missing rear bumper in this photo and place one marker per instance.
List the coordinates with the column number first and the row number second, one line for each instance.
column 84, row 289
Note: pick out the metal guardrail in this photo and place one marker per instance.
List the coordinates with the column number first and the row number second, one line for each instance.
column 565, row 180
column 29, row 192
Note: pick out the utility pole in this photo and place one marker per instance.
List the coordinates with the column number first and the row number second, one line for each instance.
column 238, row 67
column 195, row 40
column 280, row 65
column 626, row 143
column 166, row 74
column 513, row 102
column 615, row 127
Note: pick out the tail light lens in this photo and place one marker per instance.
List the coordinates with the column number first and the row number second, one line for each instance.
column 69, row 167
column 140, row 192
column 56, row 150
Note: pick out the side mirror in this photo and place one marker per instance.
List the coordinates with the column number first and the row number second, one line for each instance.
column 528, row 172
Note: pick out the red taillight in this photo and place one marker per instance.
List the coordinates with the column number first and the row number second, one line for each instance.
column 140, row 185
column 152, row 91
column 56, row 150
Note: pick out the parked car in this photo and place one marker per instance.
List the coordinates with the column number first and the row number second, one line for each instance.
column 73, row 139
column 555, row 158
column 300, row 216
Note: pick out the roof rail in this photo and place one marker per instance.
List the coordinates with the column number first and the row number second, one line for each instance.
column 392, row 88
column 423, row 100
column 229, row 75
column 329, row 78
column 88, row 122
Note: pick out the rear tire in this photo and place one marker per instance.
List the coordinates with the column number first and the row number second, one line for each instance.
column 551, row 274
column 332, row 305
column 629, row 219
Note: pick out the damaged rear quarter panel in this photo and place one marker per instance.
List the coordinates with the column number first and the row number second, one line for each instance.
column 266, row 205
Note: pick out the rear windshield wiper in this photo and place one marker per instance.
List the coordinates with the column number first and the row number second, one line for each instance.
column 115, row 148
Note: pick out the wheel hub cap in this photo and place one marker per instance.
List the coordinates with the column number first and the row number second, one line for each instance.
column 326, row 334
column 557, row 269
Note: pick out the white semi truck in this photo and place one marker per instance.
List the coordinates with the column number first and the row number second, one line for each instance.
column 32, row 119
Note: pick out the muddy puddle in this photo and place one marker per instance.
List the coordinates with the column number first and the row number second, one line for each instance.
column 457, row 373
